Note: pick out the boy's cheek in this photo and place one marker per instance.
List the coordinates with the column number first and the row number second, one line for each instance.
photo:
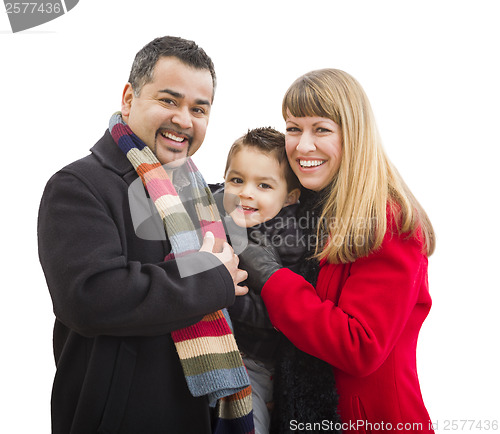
column 230, row 201
column 240, row 220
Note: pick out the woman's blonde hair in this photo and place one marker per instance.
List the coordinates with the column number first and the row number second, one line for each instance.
column 354, row 213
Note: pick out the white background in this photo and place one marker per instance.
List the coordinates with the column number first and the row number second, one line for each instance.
column 430, row 69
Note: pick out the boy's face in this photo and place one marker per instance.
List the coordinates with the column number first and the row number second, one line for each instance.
column 255, row 188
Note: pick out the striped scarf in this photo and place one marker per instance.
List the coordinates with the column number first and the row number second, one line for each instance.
column 207, row 350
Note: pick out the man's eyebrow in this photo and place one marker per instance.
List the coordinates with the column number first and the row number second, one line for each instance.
column 172, row 92
column 181, row 95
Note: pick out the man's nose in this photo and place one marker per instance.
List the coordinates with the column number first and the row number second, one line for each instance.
column 182, row 117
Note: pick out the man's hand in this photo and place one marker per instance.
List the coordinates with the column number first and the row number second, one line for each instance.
column 229, row 259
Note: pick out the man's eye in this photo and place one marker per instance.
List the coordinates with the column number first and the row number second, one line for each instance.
column 199, row 110
column 167, row 101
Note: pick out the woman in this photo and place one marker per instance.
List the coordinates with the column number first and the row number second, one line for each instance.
column 371, row 297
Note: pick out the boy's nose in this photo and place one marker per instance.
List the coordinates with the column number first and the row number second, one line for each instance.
column 246, row 191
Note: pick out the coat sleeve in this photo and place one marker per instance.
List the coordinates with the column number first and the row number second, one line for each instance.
column 356, row 334
column 97, row 290
column 251, row 310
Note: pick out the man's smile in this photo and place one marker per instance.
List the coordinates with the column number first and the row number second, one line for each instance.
column 173, row 140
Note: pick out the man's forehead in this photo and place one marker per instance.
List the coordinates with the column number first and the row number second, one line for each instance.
column 175, row 77
column 171, row 63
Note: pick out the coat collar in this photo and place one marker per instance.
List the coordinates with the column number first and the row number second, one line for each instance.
column 110, row 156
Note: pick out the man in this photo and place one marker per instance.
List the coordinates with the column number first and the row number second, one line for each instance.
column 115, row 297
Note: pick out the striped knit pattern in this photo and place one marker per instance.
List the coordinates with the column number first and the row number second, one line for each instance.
column 207, row 350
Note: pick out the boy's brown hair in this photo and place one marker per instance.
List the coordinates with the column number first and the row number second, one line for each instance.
column 270, row 142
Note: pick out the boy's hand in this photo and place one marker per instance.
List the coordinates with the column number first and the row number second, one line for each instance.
column 260, row 259
column 229, row 259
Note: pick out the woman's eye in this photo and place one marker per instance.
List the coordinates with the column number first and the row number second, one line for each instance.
column 323, row 130
column 292, row 129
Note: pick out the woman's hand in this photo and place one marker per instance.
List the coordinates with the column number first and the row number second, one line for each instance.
column 260, row 259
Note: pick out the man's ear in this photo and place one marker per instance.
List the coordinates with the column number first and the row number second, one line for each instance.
column 127, row 98
column 292, row 197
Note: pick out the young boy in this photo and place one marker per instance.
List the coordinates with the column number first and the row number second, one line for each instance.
column 261, row 194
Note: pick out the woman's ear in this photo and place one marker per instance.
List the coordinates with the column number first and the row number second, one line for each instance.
column 292, row 197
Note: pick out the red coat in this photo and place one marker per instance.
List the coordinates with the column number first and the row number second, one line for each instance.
column 363, row 318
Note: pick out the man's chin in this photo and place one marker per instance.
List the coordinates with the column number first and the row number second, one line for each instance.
column 172, row 159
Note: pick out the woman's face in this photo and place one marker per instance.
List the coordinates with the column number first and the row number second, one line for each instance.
column 314, row 149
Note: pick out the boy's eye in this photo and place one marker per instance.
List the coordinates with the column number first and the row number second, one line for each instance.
column 236, row 180
column 264, row 185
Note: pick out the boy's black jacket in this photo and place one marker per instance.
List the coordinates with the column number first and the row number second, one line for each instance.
column 255, row 335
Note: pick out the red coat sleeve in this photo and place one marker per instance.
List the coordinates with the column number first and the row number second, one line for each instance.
column 356, row 333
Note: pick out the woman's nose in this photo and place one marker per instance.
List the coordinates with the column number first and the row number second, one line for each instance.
column 306, row 143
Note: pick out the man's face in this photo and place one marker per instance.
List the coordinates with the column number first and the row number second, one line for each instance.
column 171, row 113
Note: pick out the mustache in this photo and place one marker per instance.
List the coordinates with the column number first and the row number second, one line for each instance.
column 176, row 130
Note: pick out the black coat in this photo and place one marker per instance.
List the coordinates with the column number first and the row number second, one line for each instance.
column 116, row 301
